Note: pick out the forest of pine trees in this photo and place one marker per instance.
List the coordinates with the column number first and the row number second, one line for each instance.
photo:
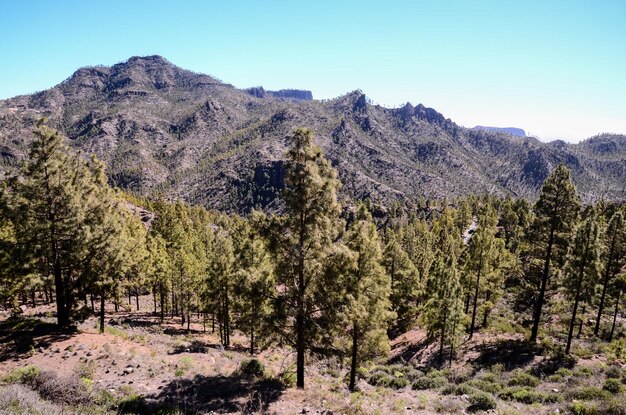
column 324, row 275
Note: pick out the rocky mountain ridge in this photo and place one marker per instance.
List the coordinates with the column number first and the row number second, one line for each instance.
column 165, row 130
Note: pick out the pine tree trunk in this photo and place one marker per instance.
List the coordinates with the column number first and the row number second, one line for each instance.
column 162, row 304
column 353, row 366
column 619, row 293
column 580, row 322
column 443, row 338
column 34, row 298
column 252, row 340
column 137, row 298
column 130, row 296
column 542, row 289
column 573, row 320
column 63, row 315
column 605, row 283
column 487, row 311
column 154, row 299
column 475, row 305
column 579, row 283
column 102, row 298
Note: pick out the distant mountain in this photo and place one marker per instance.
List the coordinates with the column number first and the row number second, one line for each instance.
column 165, row 130
column 292, row 94
column 518, row 132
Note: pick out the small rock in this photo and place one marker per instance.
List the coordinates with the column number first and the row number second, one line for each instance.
column 41, row 350
column 80, row 347
column 305, row 410
column 128, row 370
column 555, row 390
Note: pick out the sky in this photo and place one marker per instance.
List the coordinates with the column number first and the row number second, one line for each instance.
column 555, row 68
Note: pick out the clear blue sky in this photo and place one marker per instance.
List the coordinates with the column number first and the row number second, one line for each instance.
column 554, row 68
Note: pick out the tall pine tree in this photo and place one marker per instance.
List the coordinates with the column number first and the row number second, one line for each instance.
column 555, row 215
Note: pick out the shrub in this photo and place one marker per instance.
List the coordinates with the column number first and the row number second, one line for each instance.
column 485, row 386
column 252, row 368
column 481, row 401
column 588, row 393
column 523, row 379
column 379, row 378
column 427, row 382
column 528, row 396
column 564, row 372
column 134, row 404
column 613, row 386
column 582, row 408
column 86, row 370
column 613, row 372
column 458, row 390
column 288, row 378
column 583, row 372
column 25, row 375
column 398, row 382
column 488, row 377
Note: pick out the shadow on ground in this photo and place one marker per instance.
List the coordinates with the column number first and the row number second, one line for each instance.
column 19, row 337
column 219, row 394
column 511, row 353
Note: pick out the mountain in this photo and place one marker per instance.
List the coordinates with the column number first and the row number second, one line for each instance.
column 165, row 130
column 518, row 132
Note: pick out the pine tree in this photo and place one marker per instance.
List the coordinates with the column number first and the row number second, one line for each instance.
column 613, row 258
column 60, row 206
column 302, row 242
column 443, row 312
column 555, row 215
column 482, row 257
column 221, row 280
column 582, row 268
column 619, row 286
column 368, row 286
column 406, row 285
column 255, row 288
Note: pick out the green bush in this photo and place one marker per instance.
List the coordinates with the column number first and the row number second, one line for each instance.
column 379, row 378
column 485, row 386
column 86, row 370
column 387, row 380
column 582, row 408
column 481, row 401
column 555, row 378
column 458, row 390
column 427, row 382
column 25, row 375
column 583, row 372
column 527, row 395
column 613, row 386
column 564, row 372
column 523, row 379
column 398, row 382
column 288, row 378
column 252, row 368
column 588, row 393
column 613, row 372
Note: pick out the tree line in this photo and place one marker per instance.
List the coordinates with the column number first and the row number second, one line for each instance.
column 324, row 276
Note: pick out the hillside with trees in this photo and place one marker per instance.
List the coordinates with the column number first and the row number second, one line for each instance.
column 146, row 304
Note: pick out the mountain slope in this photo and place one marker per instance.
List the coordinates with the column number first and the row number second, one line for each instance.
column 162, row 129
